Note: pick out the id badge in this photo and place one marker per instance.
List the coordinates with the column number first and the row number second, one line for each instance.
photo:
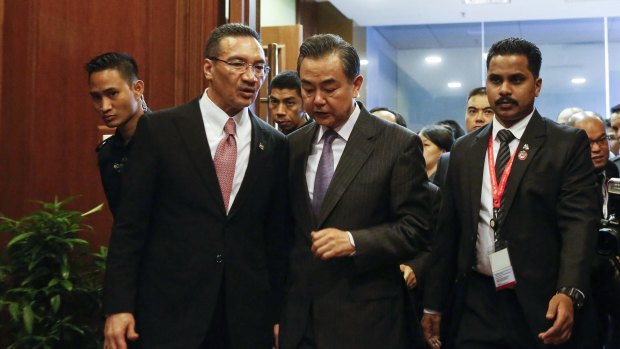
column 503, row 275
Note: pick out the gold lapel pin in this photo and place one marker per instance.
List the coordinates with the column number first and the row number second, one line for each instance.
column 526, row 147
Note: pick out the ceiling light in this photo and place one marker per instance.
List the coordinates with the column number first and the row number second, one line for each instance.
column 484, row 2
column 578, row 81
column 363, row 61
column 454, row 84
column 432, row 59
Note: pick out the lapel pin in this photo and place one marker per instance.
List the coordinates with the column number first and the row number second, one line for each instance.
column 522, row 154
column 261, row 146
column 526, row 147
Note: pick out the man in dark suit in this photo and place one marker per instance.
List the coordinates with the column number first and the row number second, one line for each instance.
column 604, row 279
column 118, row 97
column 198, row 252
column 353, row 231
column 528, row 294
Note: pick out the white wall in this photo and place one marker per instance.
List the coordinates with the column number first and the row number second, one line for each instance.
column 277, row 12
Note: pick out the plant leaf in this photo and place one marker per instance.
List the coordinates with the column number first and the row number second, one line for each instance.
column 19, row 238
column 55, row 303
column 93, row 210
column 68, row 285
column 14, row 310
column 28, row 318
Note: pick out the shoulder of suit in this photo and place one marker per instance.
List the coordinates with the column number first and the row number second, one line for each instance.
column 105, row 143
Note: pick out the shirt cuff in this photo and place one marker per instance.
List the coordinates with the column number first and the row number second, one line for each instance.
column 352, row 243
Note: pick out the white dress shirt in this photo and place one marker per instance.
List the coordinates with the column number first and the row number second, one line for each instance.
column 214, row 119
column 486, row 240
column 344, row 132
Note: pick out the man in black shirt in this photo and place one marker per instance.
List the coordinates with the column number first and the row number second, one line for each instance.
column 118, row 97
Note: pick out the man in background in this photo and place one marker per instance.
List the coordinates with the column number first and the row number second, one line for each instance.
column 118, row 97
column 285, row 103
column 389, row 115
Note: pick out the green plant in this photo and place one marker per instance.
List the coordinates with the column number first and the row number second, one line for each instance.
column 50, row 283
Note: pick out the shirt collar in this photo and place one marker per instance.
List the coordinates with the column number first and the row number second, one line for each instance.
column 215, row 117
column 344, row 131
column 517, row 129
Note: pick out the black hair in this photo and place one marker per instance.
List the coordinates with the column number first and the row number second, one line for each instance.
column 400, row 120
column 478, row 91
column 518, row 46
column 615, row 108
column 121, row 61
column 320, row 45
column 440, row 135
column 212, row 48
column 286, row 80
column 455, row 127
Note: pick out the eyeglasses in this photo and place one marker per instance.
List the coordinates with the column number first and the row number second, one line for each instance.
column 601, row 141
column 240, row 67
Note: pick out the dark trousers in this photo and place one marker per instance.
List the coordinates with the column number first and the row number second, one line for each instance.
column 492, row 319
column 308, row 339
column 217, row 335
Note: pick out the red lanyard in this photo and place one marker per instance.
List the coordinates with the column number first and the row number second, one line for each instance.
column 498, row 190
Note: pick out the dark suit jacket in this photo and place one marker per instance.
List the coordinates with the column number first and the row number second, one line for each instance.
column 173, row 247
column 552, row 214
column 377, row 193
column 442, row 169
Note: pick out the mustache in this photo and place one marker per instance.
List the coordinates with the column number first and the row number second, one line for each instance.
column 506, row 100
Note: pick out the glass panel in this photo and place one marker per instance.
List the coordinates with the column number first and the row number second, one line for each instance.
column 613, row 36
column 423, row 95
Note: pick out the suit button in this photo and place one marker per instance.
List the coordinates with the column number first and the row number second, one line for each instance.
column 219, row 259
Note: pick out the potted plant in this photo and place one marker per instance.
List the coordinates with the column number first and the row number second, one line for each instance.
column 50, row 282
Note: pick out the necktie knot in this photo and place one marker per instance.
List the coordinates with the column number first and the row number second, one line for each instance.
column 329, row 136
column 505, row 136
column 230, row 127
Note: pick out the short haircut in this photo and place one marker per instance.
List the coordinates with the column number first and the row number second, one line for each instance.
column 615, row 109
column 121, row 61
column 321, row 45
column 455, row 127
column 440, row 135
column 212, row 48
column 400, row 120
column 286, row 80
column 584, row 115
column 478, row 91
column 518, row 46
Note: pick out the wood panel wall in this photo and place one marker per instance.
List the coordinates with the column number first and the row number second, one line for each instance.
column 48, row 128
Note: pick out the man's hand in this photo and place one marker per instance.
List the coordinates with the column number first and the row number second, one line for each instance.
column 117, row 328
column 408, row 275
column 276, row 334
column 560, row 309
column 331, row 242
column 430, row 327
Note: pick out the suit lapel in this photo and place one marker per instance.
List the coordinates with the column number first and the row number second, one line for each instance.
column 258, row 152
column 530, row 143
column 192, row 130
column 356, row 152
column 475, row 173
column 298, row 170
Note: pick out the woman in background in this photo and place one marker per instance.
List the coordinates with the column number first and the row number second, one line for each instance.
column 436, row 140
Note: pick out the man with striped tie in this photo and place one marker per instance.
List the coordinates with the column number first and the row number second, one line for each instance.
column 518, row 221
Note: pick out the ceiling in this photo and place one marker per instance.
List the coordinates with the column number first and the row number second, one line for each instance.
column 407, row 12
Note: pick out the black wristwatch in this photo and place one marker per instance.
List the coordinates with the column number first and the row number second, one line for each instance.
column 575, row 294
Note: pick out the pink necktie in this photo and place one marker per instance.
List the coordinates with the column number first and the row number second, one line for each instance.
column 225, row 159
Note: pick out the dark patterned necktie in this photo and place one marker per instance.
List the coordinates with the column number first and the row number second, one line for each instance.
column 505, row 137
column 324, row 171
